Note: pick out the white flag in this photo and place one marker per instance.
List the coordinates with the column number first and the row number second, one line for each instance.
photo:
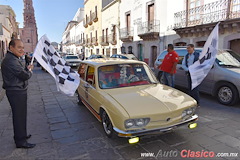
column 66, row 79
column 200, row 68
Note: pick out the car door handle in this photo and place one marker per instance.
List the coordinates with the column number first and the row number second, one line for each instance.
column 86, row 85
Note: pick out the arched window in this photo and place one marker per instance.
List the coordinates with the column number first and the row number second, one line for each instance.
column 28, row 41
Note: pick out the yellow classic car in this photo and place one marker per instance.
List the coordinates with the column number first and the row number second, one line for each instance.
column 129, row 101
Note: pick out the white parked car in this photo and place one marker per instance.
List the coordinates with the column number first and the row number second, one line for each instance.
column 72, row 60
column 124, row 56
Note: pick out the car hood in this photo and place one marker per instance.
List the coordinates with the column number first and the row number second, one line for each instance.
column 150, row 99
column 237, row 70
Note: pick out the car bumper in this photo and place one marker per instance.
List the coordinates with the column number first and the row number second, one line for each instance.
column 154, row 131
column 73, row 64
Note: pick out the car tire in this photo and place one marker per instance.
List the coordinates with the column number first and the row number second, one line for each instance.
column 227, row 94
column 107, row 125
column 79, row 100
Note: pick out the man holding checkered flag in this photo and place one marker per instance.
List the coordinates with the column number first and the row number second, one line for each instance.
column 67, row 80
column 197, row 65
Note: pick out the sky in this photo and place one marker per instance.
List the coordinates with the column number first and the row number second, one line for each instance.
column 51, row 16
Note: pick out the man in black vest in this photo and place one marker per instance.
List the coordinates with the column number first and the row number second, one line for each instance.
column 15, row 77
column 188, row 60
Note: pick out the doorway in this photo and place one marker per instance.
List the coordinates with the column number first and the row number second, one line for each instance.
column 153, row 55
column 140, row 54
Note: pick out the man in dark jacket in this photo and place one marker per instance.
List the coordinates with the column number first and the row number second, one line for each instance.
column 15, row 76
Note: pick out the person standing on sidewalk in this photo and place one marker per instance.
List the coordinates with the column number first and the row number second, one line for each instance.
column 188, row 60
column 15, row 81
column 169, row 65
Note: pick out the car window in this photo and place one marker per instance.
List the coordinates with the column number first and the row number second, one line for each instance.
column 228, row 59
column 124, row 75
column 82, row 70
column 181, row 53
column 162, row 55
column 71, row 57
column 90, row 75
column 124, row 57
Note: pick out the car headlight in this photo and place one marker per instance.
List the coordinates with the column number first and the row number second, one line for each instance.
column 188, row 112
column 139, row 122
column 129, row 123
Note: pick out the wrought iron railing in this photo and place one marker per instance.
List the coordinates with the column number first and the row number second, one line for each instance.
column 126, row 32
column 149, row 26
column 208, row 13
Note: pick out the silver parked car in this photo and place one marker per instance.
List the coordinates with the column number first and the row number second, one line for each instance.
column 223, row 80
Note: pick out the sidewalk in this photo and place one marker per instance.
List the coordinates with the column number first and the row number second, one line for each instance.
column 59, row 126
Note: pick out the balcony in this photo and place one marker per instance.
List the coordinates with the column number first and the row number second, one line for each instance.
column 209, row 13
column 201, row 20
column 149, row 30
column 112, row 38
column 126, row 34
column 95, row 41
column 94, row 17
column 104, row 40
column 89, row 20
column 85, row 23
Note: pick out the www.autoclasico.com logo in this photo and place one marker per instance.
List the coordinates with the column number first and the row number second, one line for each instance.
column 187, row 154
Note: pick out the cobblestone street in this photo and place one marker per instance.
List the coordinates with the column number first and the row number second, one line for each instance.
column 64, row 130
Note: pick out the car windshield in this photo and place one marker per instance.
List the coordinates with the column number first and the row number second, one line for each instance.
column 228, row 59
column 71, row 57
column 124, row 75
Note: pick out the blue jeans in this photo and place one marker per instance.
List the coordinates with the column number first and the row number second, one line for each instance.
column 168, row 79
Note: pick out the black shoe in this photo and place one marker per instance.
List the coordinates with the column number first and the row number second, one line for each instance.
column 28, row 136
column 26, row 145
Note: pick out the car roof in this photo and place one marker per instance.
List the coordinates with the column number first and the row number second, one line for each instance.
column 110, row 61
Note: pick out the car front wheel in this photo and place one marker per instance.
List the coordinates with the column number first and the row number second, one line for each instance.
column 107, row 124
column 227, row 94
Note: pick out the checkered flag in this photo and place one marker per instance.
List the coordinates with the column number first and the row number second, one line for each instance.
column 67, row 80
column 200, row 69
